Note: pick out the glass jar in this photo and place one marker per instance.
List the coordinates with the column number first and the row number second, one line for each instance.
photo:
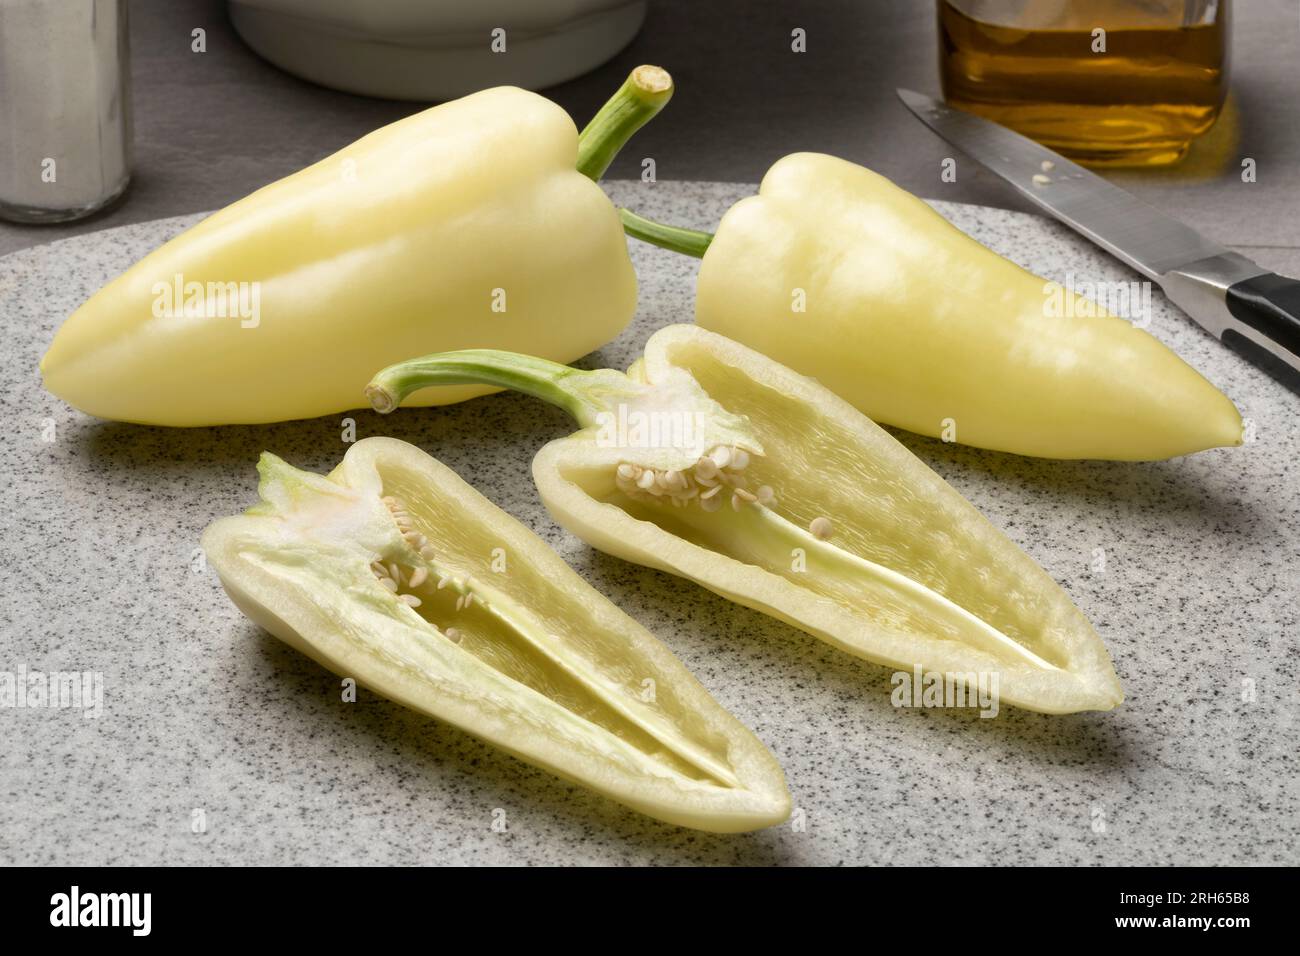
column 1106, row 82
column 65, row 108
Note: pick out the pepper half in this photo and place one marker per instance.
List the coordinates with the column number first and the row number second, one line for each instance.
column 393, row 571
column 475, row 223
column 711, row 461
column 840, row 274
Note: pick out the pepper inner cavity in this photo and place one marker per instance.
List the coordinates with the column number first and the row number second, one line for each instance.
column 758, row 535
column 483, row 620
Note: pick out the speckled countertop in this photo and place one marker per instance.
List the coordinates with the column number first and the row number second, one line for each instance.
column 217, row 744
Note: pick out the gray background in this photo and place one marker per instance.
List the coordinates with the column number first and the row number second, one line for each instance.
column 212, row 127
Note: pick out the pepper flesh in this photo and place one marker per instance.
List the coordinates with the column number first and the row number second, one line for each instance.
column 467, row 224
column 922, row 327
column 523, row 653
column 912, row 576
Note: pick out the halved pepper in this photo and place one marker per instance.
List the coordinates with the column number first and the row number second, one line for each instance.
column 393, row 571
column 711, row 461
column 474, row 223
column 840, row 274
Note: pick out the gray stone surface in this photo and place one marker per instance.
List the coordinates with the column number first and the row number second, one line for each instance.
column 204, row 711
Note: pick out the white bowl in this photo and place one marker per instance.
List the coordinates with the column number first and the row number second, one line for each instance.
column 436, row 49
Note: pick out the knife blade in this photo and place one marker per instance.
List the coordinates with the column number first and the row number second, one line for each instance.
column 1251, row 310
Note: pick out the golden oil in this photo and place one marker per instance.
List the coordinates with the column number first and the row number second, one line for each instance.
column 1105, row 82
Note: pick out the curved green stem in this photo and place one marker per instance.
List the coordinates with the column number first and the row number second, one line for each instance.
column 580, row 393
column 690, row 242
column 643, row 94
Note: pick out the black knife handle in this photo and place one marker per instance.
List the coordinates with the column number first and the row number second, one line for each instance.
column 1268, row 304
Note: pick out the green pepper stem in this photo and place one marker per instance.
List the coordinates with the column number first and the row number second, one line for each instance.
column 574, row 390
column 690, row 242
column 644, row 93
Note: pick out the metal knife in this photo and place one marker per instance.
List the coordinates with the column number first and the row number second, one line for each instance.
column 1254, row 312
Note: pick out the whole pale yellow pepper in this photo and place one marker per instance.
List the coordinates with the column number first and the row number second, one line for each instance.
column 838, row 273
column 474, row 223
